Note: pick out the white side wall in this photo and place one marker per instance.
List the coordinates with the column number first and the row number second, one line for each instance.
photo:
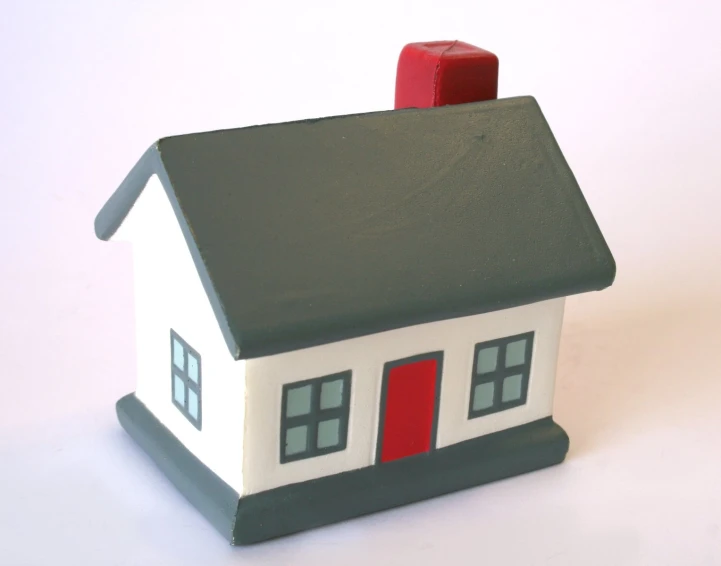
column 169, row 294
column 366, row 357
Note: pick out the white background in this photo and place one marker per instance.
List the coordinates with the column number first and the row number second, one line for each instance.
column 632, row 90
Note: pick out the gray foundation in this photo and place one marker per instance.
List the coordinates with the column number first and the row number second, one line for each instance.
column 298, row 507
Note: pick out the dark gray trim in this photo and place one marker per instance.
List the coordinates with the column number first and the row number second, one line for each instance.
column 189, row 384
column 316, row 415
column 315, row 503
column 496, row 377
column 215, row 499
column 370, row 224
column 298, row 507
column 438, row 356
column 114, row 211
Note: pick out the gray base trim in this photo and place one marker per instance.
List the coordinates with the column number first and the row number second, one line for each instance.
column 215, row 499
column 310, row 504
column 298, row 507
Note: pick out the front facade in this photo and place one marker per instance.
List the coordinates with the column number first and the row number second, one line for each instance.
column 408, row 391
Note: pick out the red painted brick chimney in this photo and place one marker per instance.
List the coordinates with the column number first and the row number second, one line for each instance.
column 445, row 72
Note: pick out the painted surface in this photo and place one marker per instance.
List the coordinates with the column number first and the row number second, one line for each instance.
column 438, row 73
column 366, row 358
column 315, row 417
column 408, row 408
column 290, row 260
column 306, row 505
column 502, row 370
column 169, row 294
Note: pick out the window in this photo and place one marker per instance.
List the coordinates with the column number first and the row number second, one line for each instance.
column 186, row 379
column 501, row 370
column 314, row 418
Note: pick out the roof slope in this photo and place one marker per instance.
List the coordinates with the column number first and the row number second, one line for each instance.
column 310, row 232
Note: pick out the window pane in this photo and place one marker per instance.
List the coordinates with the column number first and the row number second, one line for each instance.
column 516, row 353
column 483, row 396
column 487, row 360
column 178, row 356
column 193, row 404
column 329, row 433
column 331, row 394
column 512, row 388
column 296, row 440
column 298, row 401
column 193, row 367
column 178, row 390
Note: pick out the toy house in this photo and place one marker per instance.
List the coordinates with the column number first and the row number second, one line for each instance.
column 343, row 315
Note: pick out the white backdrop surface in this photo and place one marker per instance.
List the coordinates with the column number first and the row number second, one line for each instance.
column 632, row 90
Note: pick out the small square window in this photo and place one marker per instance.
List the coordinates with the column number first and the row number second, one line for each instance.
column 179, row 390
column 483, row 396
column 331, row 394
column 328, row 433
column 193, row 367
column 516, row 353
column 512, row 388
column 178, row 355
column 296, row 440
column 500, row 375
column 298, row 401
column 314, row 417
column 487, row 360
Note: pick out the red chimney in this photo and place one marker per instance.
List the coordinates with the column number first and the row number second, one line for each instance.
column 445, row 72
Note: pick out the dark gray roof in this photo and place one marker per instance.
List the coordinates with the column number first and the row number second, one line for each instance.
column 310, row 232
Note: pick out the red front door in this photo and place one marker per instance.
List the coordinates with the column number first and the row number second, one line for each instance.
column 408, row 407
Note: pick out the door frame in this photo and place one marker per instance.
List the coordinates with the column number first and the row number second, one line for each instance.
column 387, row 367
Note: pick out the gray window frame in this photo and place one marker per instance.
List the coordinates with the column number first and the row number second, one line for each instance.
column 500, row 373
column 313, row 418
column 188, row 383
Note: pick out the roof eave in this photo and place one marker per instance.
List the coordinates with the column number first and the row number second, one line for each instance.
column 121, row 202
column 116, row 209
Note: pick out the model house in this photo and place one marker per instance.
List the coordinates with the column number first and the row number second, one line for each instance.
column 343, row 315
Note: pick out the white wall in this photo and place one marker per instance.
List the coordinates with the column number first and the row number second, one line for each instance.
column 366, row 357
column 169, row 294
